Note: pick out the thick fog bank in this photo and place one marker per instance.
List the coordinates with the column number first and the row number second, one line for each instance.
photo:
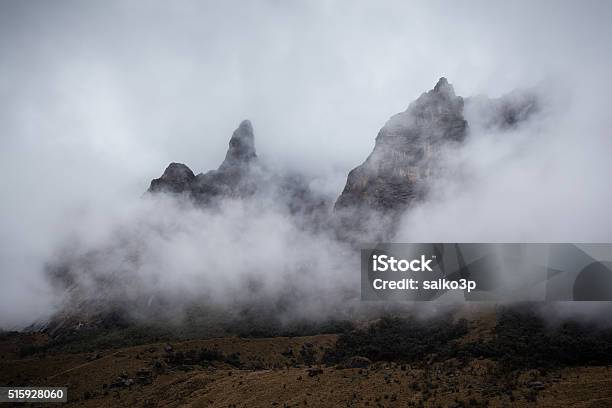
column 99, row 97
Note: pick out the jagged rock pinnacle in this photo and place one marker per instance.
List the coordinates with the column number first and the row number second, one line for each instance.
column 241, row 146
column 232, row 178
column 444, row 87
column 177, row 172
column 405, row 155
column 176, row 178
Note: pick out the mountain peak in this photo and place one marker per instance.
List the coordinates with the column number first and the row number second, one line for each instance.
column 176, row 178
column 241, row 146
column 177, row 171
column 444, row 87
column 405, row 156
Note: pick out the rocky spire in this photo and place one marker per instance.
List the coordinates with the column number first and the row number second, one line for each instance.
column 232, row 178
column 444, row 87
column 241, row 146
column 405, row 155
column 176, row 178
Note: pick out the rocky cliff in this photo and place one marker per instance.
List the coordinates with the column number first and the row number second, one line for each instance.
column 236, row 176
column 242, row 175
column 407, row 155
column 396, row 172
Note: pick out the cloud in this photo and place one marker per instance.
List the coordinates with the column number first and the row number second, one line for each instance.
column 162, row 254
column 540, row 181
column 100, row 96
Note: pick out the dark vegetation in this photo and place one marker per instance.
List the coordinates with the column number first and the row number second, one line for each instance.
column 91, row 340
column 521, row 339
column 297, row 329
column 399, row 339
column 118, row 334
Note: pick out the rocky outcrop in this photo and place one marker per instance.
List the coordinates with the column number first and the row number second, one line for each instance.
column 404, row 157
column 241, row 175
column 236, row 176
column 407, row 155
column 241, row 150
column 176, row 178
column 396, row 175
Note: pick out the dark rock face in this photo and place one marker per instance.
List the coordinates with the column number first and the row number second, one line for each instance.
column 241, row 175
column 235, row 177
column 176, row 178
column 241, row 147
column 404, row 157
column 396, row 175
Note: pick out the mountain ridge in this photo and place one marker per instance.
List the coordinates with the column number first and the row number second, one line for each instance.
column 394, row 177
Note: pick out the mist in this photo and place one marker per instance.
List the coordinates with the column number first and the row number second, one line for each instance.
column 163, row 253
column 543, row 180
column 99, row 97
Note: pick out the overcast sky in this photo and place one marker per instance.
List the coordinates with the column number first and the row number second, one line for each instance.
column 99, row 96
column 116, row 90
